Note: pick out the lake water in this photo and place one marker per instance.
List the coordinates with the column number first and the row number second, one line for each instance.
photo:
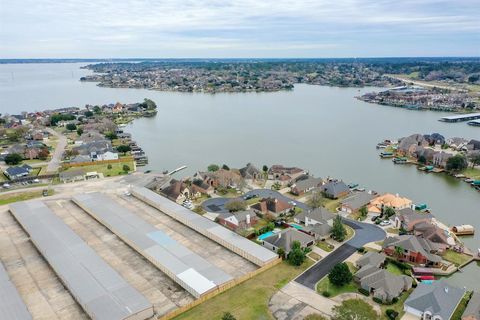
column 322, row 129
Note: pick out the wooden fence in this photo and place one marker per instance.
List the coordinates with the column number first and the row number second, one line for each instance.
column 219, row 290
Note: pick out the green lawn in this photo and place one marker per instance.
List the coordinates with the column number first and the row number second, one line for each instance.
column 21, row 196
column 398, row 306
column 325, row 285
column 116, row 168
column 394, row 269
column 455, row 257
column 457, row 314
column 332, row 204
column 248, row 300
column 350, row 232
column 324, row 246
column 472, row 173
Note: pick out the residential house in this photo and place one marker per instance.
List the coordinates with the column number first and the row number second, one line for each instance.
column 18, row 171
column 435, row 301
column 273, row 205
column 202, row 187
column 335, row 189
column 356, row 201
column 284, row 175
column 238, row 220
column 440, row 158
column 435, row 234
column 318, row 222
column 395, row 202
column 383, row 284
column 407, row 218
column 177, row 191
column 374, row 259
column 80, row 159
column 472, row 312
column 250, row 172
column 285, row 238
column 408, row 145
column 300, row 187
column 72, row 176
column 220, row 178
column 108, row 155
column 97, row 146
column 412, row 249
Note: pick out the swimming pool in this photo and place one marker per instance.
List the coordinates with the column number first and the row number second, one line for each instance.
column 296, row 226
column 266, row 235
column 427, row 281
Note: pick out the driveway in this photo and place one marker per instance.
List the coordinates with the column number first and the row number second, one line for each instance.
column 364, row 233
column 56, row 160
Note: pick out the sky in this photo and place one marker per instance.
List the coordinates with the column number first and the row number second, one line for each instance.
column 238, row 29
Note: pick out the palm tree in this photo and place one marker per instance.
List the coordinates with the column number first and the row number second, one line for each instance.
column 398, row 251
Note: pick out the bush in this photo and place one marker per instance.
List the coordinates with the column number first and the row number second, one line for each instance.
column 361, row 250
column 71, row 127
column 228, row 316
column 340, row 274
column 13, row 159
column 213, row 168
column 391, row 314
column 109, row 166
column 236, row 205
column 364, row 292
column 296, row 256
column 378, row 300
column 326, row 293
column 126, row 168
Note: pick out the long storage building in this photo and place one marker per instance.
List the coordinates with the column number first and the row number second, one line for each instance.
column 192, row 272
column 229, row 239
column 99, row 289
column 11, row 304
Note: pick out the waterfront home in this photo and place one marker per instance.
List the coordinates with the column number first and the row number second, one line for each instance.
column 354, row 202
column 202, row 187
column 80, row 159
column 285, row 238
column 472, row 312
column 284, row 175
column 408, row 145
column 435, row 234
column 18, row 171
column 97, row 146
column 103, row 156
column 395, row 202
column 300, row 187
column 383, row 284
column 72, row 176
column 407, row 218
column 273, row 205
column 440, row 158
column 177, row 191
column 473, row 145
column 318, row 222
column 220, row 178
column 240, row 220
column 412, row 249
column 435, row 301
column 250, row 172
column 335, row 189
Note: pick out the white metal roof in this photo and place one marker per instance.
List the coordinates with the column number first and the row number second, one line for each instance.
column 99, row 289
column 12, row 306
column 207, row 227
column 196, row 275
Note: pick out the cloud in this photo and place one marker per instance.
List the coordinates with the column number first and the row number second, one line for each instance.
column 170, row 28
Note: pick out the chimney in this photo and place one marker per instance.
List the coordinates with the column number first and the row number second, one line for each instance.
column 248, row 219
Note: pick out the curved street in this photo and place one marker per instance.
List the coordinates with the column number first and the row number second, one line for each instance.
column 364, row 233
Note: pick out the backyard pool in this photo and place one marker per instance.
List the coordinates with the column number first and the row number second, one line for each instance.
column 296, row 226
column 266, row 235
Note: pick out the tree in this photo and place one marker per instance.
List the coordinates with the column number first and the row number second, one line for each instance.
column 79, row 131
column 388, row 212
column 126, row 168
column 43, row 154
column 338, row 229
column 109, row 166
column 236, row 205
column 316, row 200
column 474, row 158
column 422, row 159
column 148, row 104
column 398, row 251
column 296, row 256
column 225, row 167
column 71, row 126
column 111, row 135
column 281, row 252
column 457, row 163
column 123, row 149
column 13, row 159
column 363, row 211
column 228, row 316
column 97, row 110
column 276, row 186
column 340, row 275
column 57, row 117
column 354, row 309
column 89, row 114
column 213, row 167
column 265, row 168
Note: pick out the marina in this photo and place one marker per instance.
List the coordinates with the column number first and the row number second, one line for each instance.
column 461, row 117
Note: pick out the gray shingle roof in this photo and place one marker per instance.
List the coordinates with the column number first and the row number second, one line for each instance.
column 473, row 307
column 358, row 200
column 335, row 188
column 415, row 244
column 285, row 238
column 372, row 258
column 439, row 298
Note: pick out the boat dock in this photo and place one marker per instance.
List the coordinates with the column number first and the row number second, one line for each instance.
column 475, row 123
column 461, row 117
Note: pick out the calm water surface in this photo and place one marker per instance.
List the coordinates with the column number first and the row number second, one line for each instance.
column 322, row 129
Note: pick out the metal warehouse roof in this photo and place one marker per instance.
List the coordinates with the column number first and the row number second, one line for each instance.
column 12, row 306
column 192, row 272
column 229, row 239
column 99, row 289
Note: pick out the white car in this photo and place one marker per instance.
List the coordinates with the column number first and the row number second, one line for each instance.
column 385, row 223
column 36, row 180
column 293, row 203
column 6, row 185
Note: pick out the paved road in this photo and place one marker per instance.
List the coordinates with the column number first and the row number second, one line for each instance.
column 364, row 233
column 56, row 160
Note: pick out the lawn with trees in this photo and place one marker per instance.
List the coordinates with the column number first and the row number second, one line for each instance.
column 354, row 309
column 338, row 229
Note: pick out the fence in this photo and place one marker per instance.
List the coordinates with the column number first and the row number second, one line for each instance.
column 31, row 178
column 93, row 163
column 219, row 290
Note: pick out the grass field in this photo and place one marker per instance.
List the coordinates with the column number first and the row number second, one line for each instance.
column 394, row 269
column 457, row 314
column 21, row 196
column 325, row 246
column 472, row 173
column 116, row 168
column 455, row 257
column 325, row 285
column 248, row 300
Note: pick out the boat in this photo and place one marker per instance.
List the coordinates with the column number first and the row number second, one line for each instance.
column 421, row 207
column 353, row 185
column 400, row 160
column 463, row 230
column 386, row 155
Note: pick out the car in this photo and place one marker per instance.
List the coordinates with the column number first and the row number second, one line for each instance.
column 385, row 223
column 374, row 219
column 127, row 193
column 45, row 192
column 6, row 186
column 36, row 180
column 293, row 203
column 249, row 196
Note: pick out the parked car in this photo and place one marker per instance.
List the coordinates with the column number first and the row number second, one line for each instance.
column 249, row 196
column 45, row 192
column 36, row 180
column 6, row 186
column 385, row 223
